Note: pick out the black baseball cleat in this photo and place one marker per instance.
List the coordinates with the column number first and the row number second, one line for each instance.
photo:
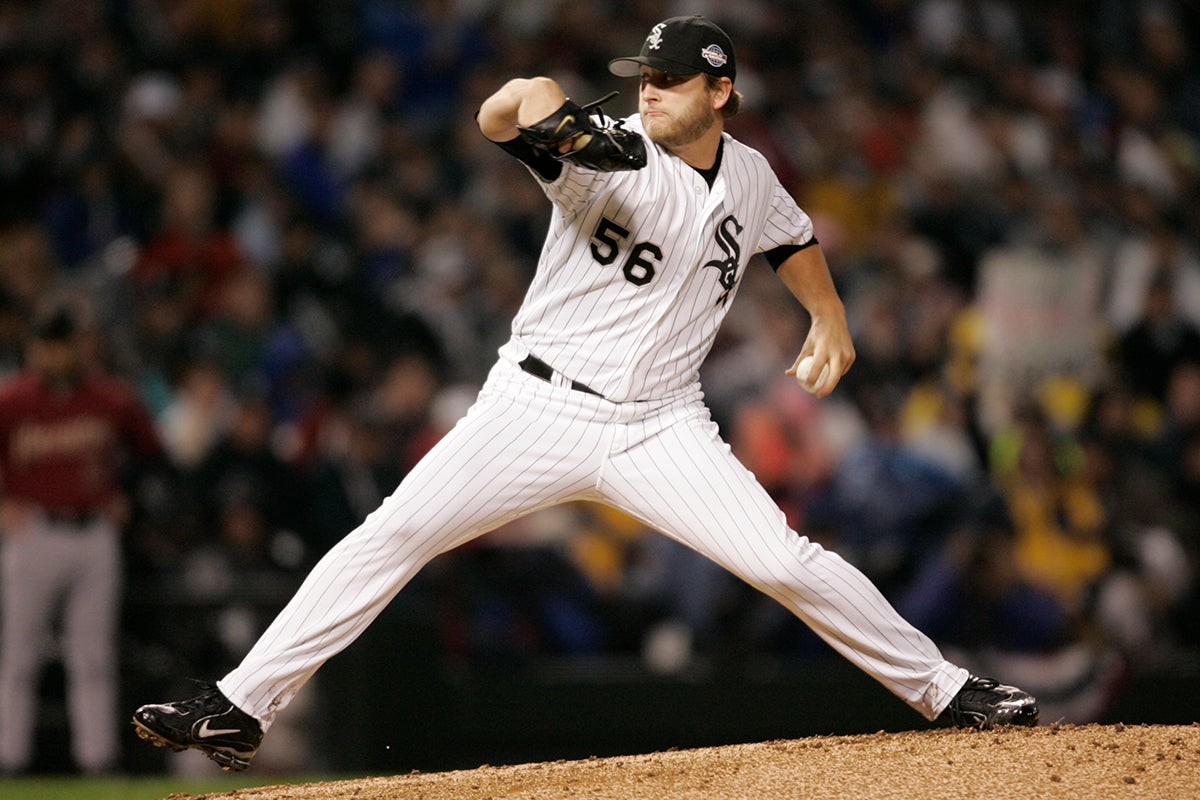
column 207, row 722
column 984, row 703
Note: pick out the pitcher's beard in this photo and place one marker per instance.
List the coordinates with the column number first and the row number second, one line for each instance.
column 683, row 130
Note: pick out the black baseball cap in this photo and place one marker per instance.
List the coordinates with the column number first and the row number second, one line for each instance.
column 681, row 46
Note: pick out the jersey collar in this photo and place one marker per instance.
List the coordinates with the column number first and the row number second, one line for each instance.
column 710, row 174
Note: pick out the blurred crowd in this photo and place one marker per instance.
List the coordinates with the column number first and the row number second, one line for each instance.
column 291, row 237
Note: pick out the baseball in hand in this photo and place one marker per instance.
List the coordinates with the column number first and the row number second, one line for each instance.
column 802, row 370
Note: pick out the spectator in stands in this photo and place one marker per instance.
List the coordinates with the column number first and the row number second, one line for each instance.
column 1158, row 342
column 190, row 249
column 1058, row 519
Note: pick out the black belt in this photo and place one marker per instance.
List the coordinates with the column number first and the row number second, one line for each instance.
column 540, row 369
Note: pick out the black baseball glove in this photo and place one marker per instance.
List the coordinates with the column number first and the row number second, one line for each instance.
column 570, row 134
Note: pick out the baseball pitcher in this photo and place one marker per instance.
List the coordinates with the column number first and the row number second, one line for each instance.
column 596, row 397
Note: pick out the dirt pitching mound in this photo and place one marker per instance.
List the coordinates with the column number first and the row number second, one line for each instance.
column 1067, row 761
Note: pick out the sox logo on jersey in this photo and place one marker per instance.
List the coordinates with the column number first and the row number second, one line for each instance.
column 728, row 266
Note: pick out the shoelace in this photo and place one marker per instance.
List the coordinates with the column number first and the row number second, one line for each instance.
column 203, row 701
column 984, row 684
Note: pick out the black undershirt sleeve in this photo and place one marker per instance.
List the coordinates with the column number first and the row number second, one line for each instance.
column 541, row 162
column 777, row 255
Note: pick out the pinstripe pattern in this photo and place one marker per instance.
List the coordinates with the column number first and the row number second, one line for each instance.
column 647, row 446
column 685, row 483
column 526, row 444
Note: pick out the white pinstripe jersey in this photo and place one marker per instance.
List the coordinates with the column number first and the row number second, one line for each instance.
column 639, row 267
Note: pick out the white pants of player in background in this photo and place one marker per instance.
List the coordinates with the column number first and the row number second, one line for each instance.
column 48, row 569
column 528, row 444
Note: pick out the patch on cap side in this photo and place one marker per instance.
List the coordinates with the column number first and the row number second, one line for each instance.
column 714, row 55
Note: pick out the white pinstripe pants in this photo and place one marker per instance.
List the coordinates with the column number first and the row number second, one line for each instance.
column 527, row 444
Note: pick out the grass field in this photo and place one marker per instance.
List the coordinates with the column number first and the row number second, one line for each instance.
column 140, row 788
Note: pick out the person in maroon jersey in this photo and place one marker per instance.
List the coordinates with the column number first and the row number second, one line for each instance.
column 66, row 433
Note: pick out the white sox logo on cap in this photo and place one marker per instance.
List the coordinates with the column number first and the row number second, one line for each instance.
column 654, row 40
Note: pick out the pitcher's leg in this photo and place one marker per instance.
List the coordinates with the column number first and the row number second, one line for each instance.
column 497, row 464
column 686, row 483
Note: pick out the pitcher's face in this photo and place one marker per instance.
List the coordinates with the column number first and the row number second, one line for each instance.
column 676, row 110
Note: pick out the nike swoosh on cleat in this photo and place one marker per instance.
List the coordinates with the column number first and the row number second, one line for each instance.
column 206, row 732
